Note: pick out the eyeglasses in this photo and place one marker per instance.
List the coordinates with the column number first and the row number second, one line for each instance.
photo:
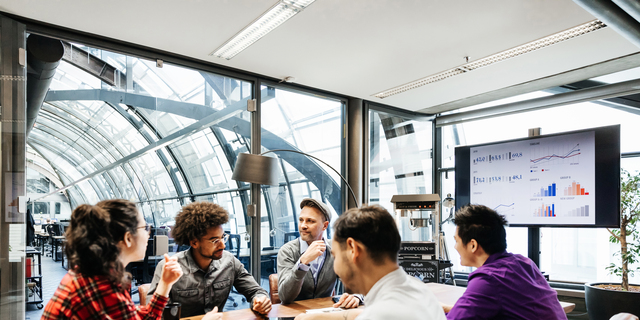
column 146, row 227
column 224, row 239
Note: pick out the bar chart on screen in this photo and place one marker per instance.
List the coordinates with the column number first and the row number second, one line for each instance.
column 579, row 212
column 545, row 210
column 547, row 191
column 575, row 189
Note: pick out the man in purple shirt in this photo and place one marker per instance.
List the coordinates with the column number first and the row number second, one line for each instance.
column 505, row 285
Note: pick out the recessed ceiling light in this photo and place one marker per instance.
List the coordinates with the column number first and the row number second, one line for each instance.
column 514, row 52
column 277, row 15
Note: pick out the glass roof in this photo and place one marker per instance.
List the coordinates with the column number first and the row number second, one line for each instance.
column 86, row 125
column 79, row 134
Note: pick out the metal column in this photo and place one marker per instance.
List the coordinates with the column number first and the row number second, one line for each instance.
column 534, row 232
column 355, row 151
column 13, row 163
column 253, row 211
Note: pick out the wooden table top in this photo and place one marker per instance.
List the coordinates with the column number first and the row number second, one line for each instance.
column 278, row 310
column 448, row 295
column 445, row 294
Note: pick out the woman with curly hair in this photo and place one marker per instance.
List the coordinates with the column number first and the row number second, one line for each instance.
column 101, row 241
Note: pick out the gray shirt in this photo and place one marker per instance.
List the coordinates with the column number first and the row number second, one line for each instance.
column 199, row 291
column 299, row 284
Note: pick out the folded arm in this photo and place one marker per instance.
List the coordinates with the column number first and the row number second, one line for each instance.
column 290, row 277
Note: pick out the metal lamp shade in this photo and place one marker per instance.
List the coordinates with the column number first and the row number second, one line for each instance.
column 256, row 169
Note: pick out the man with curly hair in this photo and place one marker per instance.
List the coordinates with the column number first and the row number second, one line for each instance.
column 209, row 271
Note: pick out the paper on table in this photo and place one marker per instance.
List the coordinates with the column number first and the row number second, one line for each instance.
column 324, row 310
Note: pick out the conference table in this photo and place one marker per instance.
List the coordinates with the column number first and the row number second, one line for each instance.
column 277, row 310
column 446, row 294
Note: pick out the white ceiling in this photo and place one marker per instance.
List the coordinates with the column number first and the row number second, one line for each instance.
column 355, row 48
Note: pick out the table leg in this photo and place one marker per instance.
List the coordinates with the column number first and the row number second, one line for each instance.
column 62, row 255
column 54, row 253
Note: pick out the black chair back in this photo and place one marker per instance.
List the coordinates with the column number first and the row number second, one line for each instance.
column 183, row 247
column 54, row 230
column 291, row 236
column 59, row 229
column 233, row 245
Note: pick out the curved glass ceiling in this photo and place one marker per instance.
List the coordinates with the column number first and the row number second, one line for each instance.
column 88, row 128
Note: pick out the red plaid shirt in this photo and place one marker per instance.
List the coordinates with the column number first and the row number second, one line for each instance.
column 79, row 297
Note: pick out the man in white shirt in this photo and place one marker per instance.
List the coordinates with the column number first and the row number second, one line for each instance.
column 365, row 247
column 305, row 266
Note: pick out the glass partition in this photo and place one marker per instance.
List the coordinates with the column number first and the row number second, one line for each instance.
column 299, row 121
column 400, row 162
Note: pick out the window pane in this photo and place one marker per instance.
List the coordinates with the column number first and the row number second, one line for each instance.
column 400, row 163
column 309, row 123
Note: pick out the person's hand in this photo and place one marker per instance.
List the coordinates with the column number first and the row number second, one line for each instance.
column 261, row 304
column 212, row 315
column 347, row 301
column 445, row 307
column 624, row 316
column 315, row 250
column 171, row 271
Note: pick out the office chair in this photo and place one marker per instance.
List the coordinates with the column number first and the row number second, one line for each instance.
column 178, row 248
column 48, row 228
column 233, row 246
column 160, row 246
column 54, row 230
column 291, row 236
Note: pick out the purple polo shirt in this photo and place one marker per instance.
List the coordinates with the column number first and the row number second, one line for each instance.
column 507, row 286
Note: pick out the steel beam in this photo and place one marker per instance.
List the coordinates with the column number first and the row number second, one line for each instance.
column 327, row 186
column 184, row 109
column 93, row 65
column 180, row 134
column 616, row 18
column 584, row 95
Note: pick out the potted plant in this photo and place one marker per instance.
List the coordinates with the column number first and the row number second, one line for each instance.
column 607, row 299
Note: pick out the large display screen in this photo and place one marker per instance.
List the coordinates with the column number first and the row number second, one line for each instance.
column 570, row 179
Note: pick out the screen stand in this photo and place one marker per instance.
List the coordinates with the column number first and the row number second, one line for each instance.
column 534, row 232
column 534, row 245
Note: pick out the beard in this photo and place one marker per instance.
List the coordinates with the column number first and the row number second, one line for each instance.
column 307, row 237
column 215, row 255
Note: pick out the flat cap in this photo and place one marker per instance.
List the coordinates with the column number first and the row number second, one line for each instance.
column 308, row 202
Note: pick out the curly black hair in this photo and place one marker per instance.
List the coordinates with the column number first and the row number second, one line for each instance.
column 194, row 219
column 483, row 224
column 93, row 235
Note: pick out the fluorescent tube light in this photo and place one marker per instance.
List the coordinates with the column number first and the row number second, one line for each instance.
column 277, row 15
column 500, row 56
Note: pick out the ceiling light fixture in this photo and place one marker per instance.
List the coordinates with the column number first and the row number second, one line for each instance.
column 275, row 16
column 507, row 54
